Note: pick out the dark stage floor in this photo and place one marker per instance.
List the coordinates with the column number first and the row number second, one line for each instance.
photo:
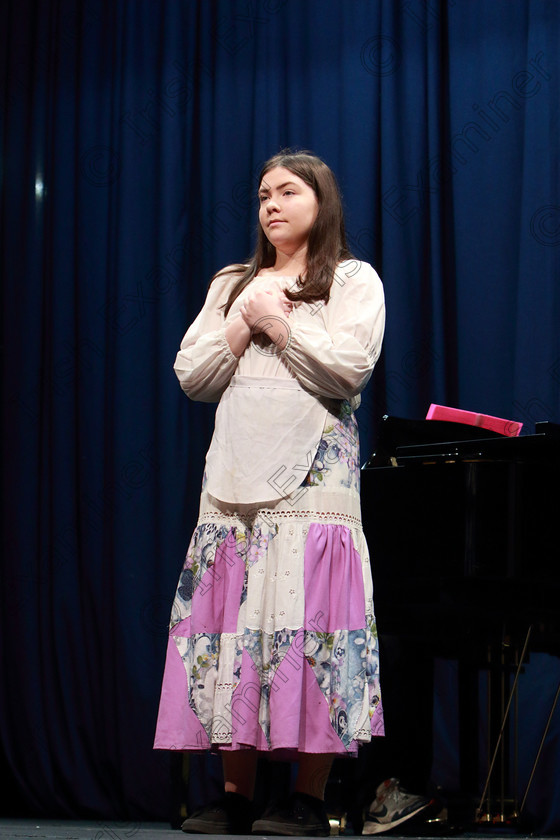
column 64, row 830
column 95, row 830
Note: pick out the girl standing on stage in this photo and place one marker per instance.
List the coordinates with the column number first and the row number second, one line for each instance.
column 273, row 641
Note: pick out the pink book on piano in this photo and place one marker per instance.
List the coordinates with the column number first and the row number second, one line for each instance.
column 456, row 415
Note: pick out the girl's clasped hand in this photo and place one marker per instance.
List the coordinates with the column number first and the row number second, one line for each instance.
column 262, row 305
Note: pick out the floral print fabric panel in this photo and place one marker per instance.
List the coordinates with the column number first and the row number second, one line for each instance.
column 338, row 457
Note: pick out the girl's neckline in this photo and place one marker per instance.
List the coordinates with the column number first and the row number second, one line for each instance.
column 276, row 276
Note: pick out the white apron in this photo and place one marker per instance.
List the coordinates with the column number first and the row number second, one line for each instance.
column 265, row 438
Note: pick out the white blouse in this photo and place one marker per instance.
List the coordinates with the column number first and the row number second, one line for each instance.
column 273, row 404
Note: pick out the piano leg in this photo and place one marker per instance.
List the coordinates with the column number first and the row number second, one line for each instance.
column 499, row 709
column 467, row 698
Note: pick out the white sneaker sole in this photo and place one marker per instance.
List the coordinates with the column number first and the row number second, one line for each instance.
column 377, row 828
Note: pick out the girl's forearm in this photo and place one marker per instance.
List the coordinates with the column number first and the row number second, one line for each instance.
column 238, row 335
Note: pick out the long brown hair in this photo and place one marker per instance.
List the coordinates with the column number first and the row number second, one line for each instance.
column 326, row 245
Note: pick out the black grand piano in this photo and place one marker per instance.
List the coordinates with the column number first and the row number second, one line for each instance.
column 462, row 527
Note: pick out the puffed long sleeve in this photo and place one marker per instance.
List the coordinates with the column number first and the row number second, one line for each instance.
column 205, row 362
column 332, row 348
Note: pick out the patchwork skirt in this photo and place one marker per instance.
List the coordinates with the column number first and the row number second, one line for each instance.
column 273, row 641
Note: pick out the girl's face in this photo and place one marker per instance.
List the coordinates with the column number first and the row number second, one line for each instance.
column 288, row 209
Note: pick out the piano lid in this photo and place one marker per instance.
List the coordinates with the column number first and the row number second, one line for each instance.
column 540, row 447
column 396, row 432
column 403, row 441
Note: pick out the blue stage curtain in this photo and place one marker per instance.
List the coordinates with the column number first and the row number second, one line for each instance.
column 132, row 133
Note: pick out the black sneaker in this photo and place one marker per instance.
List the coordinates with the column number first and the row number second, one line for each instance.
column 230, row 815
column 300, row 816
